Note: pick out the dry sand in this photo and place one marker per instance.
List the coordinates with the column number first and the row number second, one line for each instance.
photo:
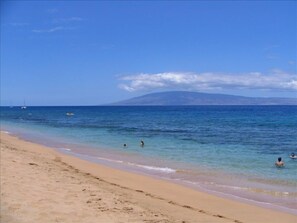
column 39, row 184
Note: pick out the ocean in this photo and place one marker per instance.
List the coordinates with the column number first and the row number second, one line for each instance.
column 228, row 151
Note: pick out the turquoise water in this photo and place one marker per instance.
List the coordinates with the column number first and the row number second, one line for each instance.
column 228, row 150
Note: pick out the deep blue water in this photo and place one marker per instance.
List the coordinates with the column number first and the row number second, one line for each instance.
column 240, row 141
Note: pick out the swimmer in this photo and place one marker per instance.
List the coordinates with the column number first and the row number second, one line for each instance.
column 293, row 156
column 279, row 162
column 142, row 143
column 125, row 145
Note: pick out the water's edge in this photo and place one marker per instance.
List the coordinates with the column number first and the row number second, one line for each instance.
column 122, row 161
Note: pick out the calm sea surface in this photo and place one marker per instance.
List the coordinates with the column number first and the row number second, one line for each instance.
column 226, row 150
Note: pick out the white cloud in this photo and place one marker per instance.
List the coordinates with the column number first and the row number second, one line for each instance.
column 68, row 20
column 19, row 24
column 210, row 81
column 51, row 30
column 53, row 11
column 291, row 62
column 75, row 19
column 63, row 24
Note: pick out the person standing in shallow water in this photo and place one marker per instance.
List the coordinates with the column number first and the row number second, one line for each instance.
column 279, row 162
column 142, row 143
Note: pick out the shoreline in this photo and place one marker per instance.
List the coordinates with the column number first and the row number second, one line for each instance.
column 214, row 183
column 142, row 169
column 170, row 202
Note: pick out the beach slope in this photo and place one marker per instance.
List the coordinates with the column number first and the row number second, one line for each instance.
column 39, row 184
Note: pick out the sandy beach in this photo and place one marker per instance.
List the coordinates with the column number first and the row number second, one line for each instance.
column 39, row 184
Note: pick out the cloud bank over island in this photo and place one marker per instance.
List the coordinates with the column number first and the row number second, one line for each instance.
column 276, row 80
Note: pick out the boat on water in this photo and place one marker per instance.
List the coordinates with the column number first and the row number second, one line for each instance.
column 69, row 113
column 24, row 106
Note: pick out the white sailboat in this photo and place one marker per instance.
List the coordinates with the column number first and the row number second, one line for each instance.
column 24, row 106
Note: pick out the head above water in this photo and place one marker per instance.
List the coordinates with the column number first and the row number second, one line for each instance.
column 279, row 159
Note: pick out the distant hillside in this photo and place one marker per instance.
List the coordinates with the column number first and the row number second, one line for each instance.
column 195, row 98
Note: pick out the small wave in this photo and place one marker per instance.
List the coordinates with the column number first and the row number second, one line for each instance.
column 6, row 132
column 67, row 149
column 230, row 187
column 256, row 190
column 110, row 160
column 154, row 168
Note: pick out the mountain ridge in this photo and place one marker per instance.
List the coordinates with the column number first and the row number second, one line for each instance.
column 198, row 98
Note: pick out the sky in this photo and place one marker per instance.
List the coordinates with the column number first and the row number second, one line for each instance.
column 99, row 52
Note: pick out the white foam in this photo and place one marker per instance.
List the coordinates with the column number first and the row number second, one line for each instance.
column 154, row 168
column 231, row 187
column 110, row 160
column 67, row 149
column 6, row 132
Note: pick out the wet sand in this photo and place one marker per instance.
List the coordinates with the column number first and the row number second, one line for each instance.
column 39, row 184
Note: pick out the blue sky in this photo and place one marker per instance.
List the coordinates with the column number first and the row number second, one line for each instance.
column 93, row 52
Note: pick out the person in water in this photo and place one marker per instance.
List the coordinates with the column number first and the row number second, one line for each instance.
column 293, row 156
column 142, row 143
column 279, row 162
column 125, row 145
